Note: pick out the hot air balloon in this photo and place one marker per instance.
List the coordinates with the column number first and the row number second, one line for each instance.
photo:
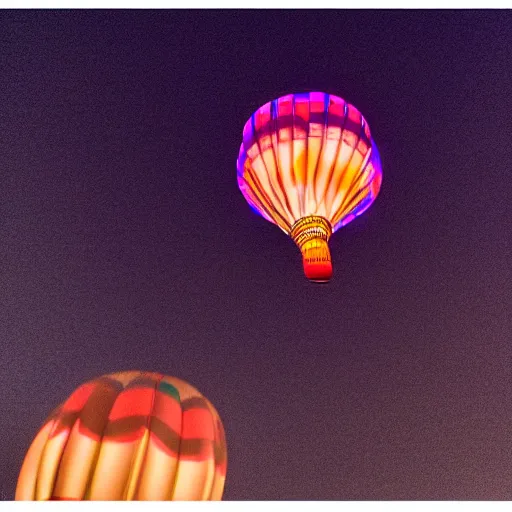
column 128, row 436
column 308, row 164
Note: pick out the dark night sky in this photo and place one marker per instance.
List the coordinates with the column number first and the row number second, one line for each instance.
column 126, row 244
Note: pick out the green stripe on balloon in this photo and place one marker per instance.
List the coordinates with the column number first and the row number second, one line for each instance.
column 169, row 389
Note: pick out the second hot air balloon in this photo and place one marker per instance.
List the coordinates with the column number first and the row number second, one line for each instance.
column 128, row 436
column 308, row 164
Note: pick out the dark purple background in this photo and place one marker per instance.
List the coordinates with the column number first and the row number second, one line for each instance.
column 125, row 243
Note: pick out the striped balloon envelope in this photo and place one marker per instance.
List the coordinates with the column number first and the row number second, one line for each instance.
column 128, row 436
column 308, row 164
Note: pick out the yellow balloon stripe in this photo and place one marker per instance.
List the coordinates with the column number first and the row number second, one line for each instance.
column 277, row 172
column 285, row 151
column 325, row 170
column 299, row 170
column 159, row 473
column 314, row 149
column 135, row 471
column 76, row 465
column 112, row 470
column 268, row 177
column 265, row 164
column 341, row 180
column 356, row 171
column 50, row 460
column 26, row 487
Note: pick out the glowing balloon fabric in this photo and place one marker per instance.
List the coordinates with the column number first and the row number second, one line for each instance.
column 128, row 436
column 308, row 164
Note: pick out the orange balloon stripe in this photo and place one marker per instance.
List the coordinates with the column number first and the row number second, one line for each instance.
column 263, row 180
column 300, row 136
column 260, row 121
column 339, row 212
column 350, row 179
column 265, row 203
column 330, row 150
column 317, row 133
column 289, row 180
column 340, row 165
column 314, row 145
column 278, row 176
column 357, row 200
column 354, row 202
column 338, row 112
column 258, row 197
column 357, row 181
column 269, row 178
column 285, row 150
column 334, row 121
column 317, row 130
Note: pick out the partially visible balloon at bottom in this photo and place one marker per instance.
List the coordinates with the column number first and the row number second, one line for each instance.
column 128, row 436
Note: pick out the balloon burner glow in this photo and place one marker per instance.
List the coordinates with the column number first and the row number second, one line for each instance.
column 311, row 235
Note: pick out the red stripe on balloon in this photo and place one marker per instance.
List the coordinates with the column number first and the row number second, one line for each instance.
column 78, row 398
column 197, row 424
column 132, row 402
